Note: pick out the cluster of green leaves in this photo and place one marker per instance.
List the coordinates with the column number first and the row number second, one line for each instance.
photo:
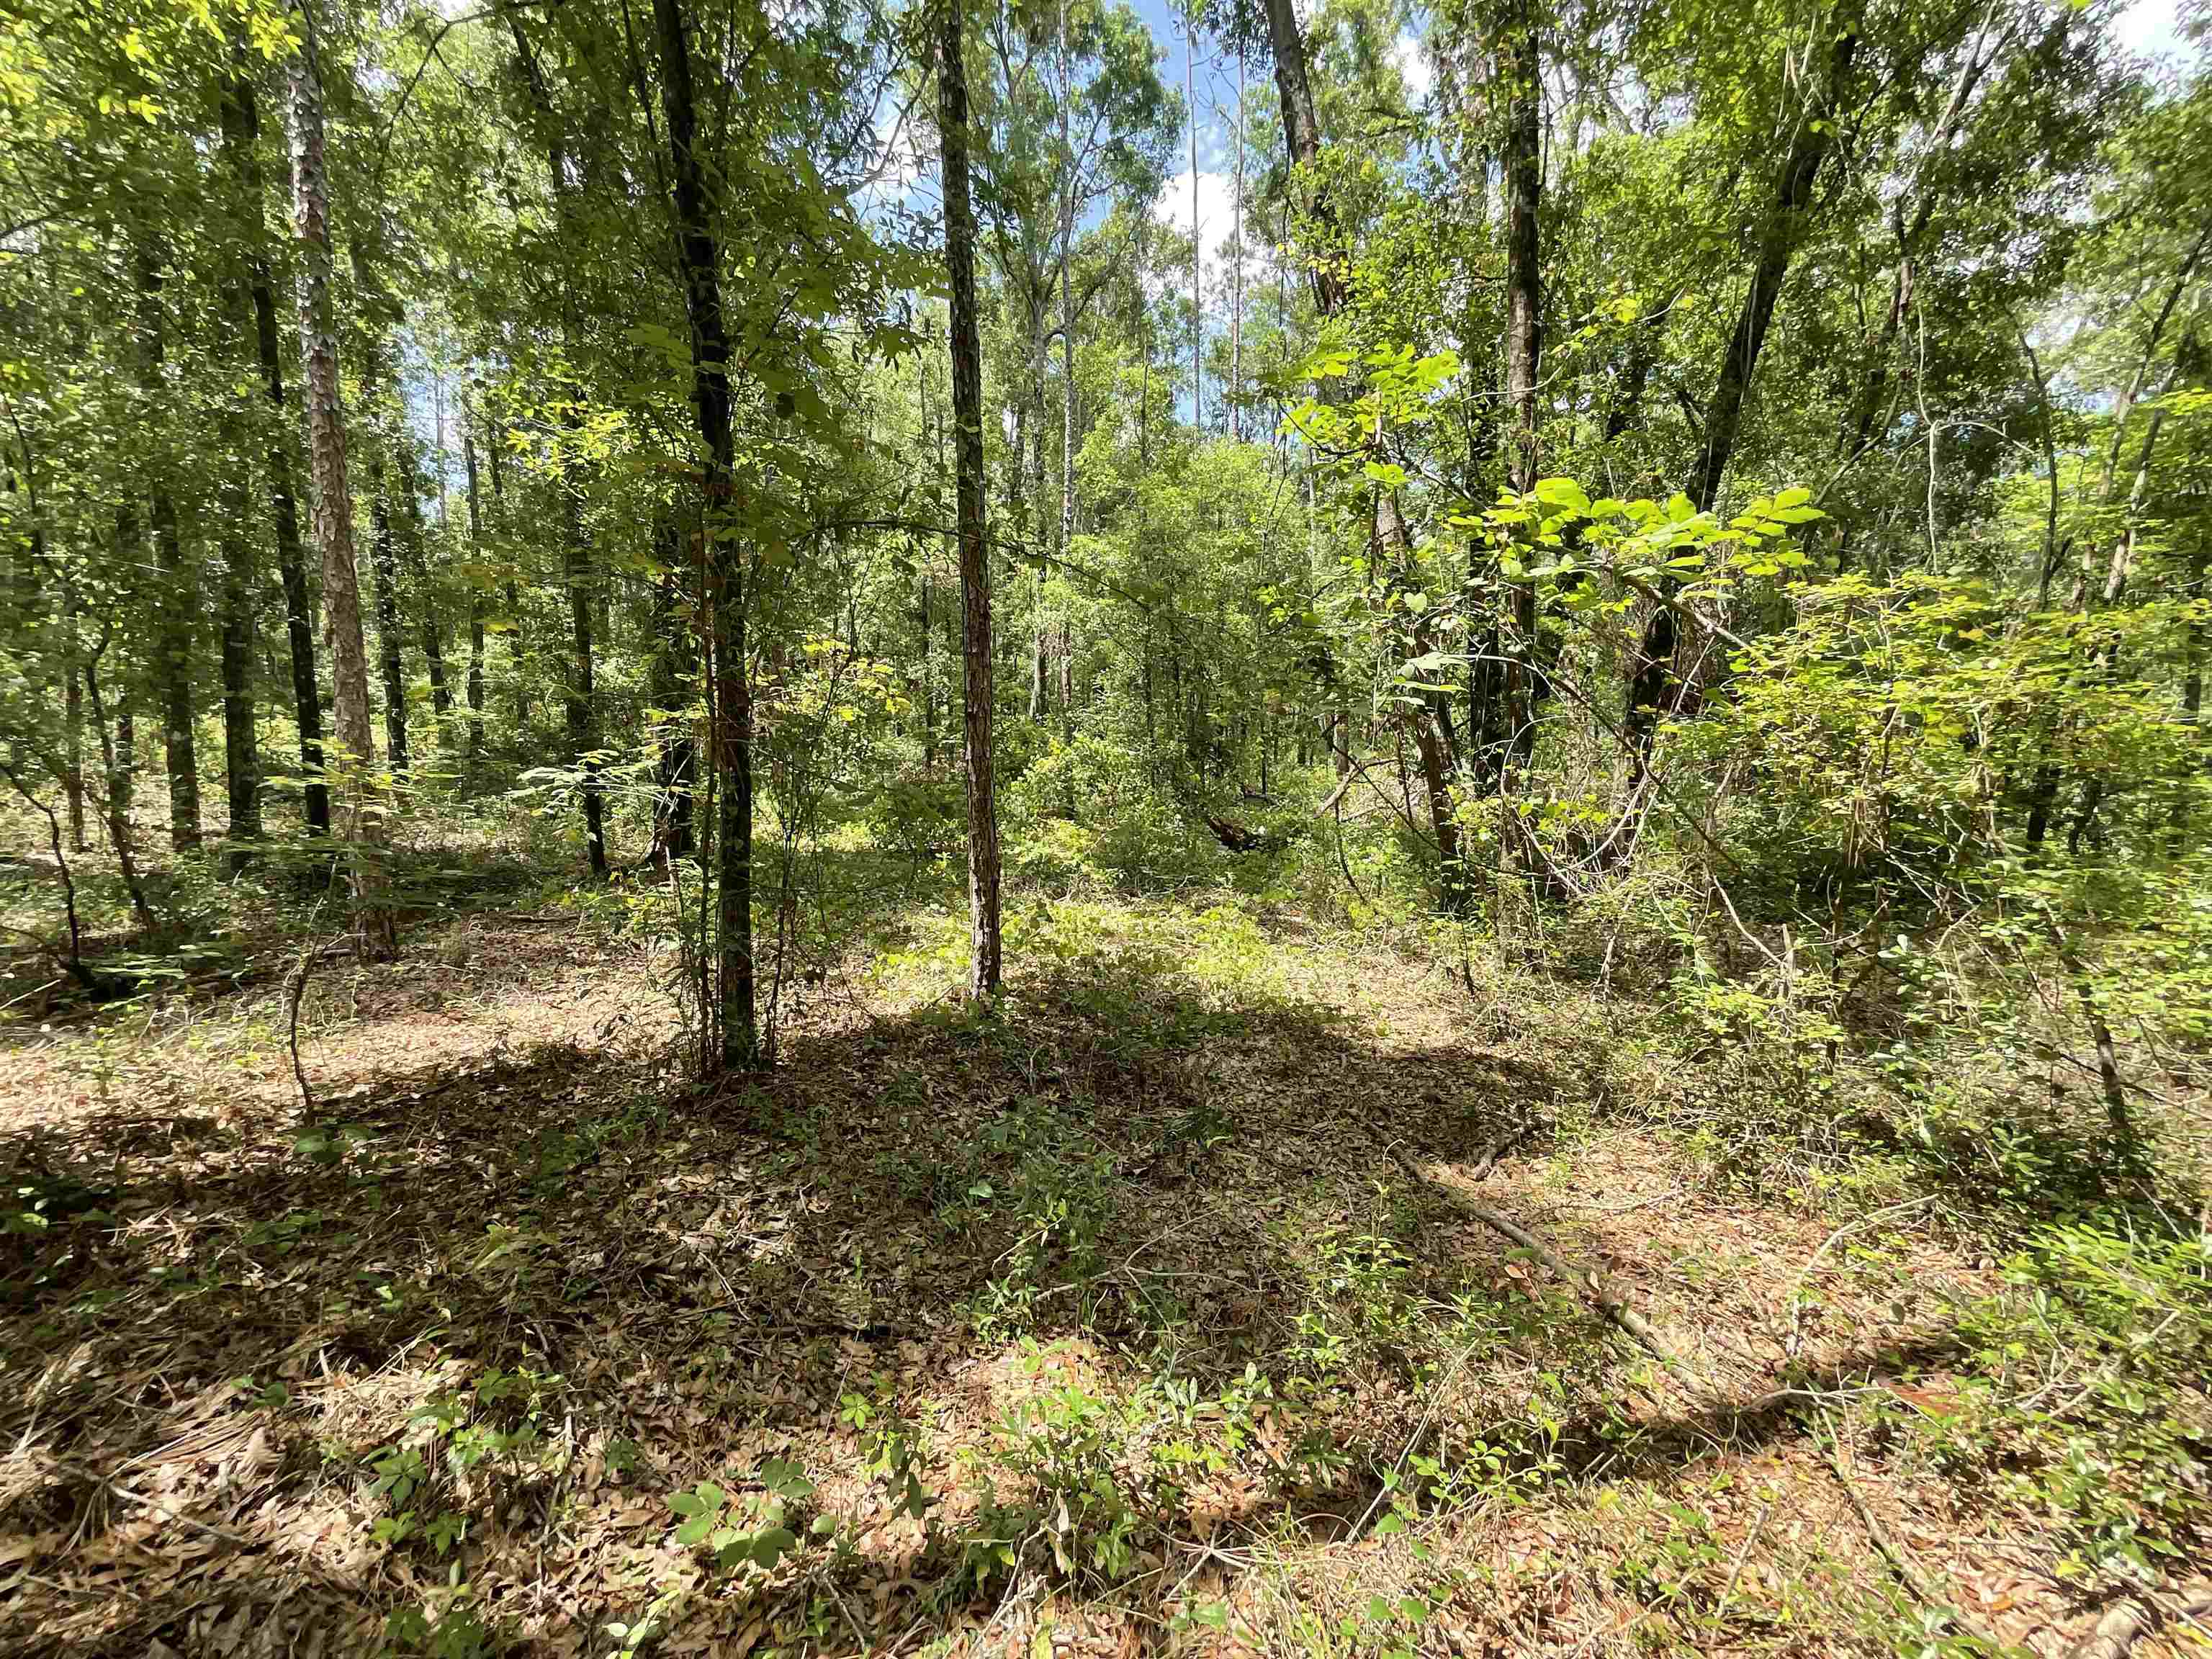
column 746, row 1530
column 2088, row 1402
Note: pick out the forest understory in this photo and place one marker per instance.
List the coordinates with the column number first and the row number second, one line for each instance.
column 1323, row 828
column 1143, row 1313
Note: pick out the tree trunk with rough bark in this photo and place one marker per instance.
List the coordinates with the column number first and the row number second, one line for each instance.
column 675, row 769
column 176, row 605
column 1301, row 133
column 1650, row 668
column 360, row 821
column 975, row 566
column 476, row 686
column 730, row 688
column 241, row 138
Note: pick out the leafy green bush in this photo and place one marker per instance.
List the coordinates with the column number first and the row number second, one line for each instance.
column 2091, row 1396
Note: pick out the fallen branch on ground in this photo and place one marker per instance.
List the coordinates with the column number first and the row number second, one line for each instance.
column 1584, row 1281
column 2127, row 1623
column 1894, row 1558
column 1498, row 1148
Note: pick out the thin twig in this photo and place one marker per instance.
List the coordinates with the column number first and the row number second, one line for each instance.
column 295, row 989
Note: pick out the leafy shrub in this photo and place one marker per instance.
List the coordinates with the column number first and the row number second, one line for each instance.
column 2090, row 1396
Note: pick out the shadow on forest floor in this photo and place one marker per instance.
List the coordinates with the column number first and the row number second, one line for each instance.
column 1125, row 1276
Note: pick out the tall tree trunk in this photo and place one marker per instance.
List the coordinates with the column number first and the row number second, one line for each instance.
column 475, row 689
column 518, row 639
column 384, row 564
column 1237, row 271
column 2116, row 582
column 1197, row 239
column 1301, row 133
column 1779, row 238
column 360, row 821
column 429, row 621
column 975, row 564
column 1068, row 401
column 731, row 686
column 676, row 770
column 928, row 691
column 583, row 726
column 176, row 605
column 576, row 552
column 2133, row 389
column 1651, row 666
column 1520, row 70
column 119, row 756
column 240, row 755
column 73, row 716
column 2047, row 567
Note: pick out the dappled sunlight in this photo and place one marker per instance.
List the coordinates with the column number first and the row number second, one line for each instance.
column 1125, row 1269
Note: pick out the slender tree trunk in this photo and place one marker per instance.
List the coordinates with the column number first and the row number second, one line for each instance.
column 1868, row 405
column 1779, row 239
column 2116, row 582
column 1142, row 328
column 240, row 750
column 1650, row 669
column 73, row 717
column 1301, row 133
column 360, row 821
column 119, row 762
column 2047, row 568
column 475, row 689
column 1197, row 239
column 1237, row 267
column 675, row 769
column 518, row 639
column 176, row 605
column 429, row 623
column 240, row 755
column 1068, row 399
column 974, row 565
column 576, row 555
column 2126, row 402
column 241, row 136
column 928, row 697
column 1521, row 72
column 384, row 562
column 583, row 727
column 731, row 689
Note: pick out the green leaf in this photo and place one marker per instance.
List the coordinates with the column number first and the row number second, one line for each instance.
column 772, row 1545
column 1562, row 492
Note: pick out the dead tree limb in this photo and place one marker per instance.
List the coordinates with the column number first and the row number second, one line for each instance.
column 2108, row 1063
column 2127, row 1623
column 1585, row 1281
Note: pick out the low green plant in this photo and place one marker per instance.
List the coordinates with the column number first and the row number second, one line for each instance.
column 742, row 1529
column 2087, row 1400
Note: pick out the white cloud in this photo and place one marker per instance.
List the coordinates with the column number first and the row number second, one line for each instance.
column 2151, row 27
column 899, row 164
column 1217, row 213
column 1411, row 59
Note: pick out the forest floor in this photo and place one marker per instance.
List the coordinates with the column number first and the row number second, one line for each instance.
column 1145, row 1314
